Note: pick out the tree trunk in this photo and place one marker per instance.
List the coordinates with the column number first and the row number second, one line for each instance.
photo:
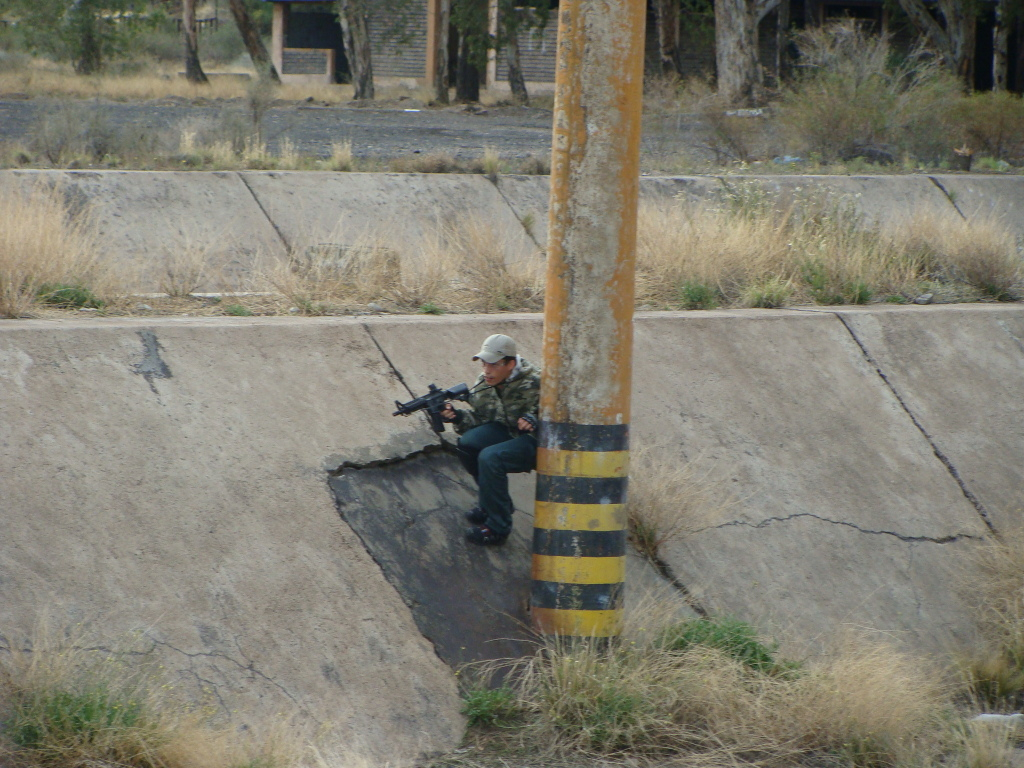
column 1000, row 48
column 89, row 57
column 193, row 69
column 667, row 17
column 440, row 73
column 253, row 43
column 516, row 80
column 782, row 41
column 962, row 28
column 356, row 34
column 740, row 78
column 955, row 41
column 467, row 77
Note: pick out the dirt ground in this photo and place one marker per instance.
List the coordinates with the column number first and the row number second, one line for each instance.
column 384, row 130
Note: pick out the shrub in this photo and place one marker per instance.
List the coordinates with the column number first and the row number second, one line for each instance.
column 993, row 583
column 851, row 98
column 992, row 124
column 83, row 132
column 693, row 295
column 864, row 705
column 68, row 296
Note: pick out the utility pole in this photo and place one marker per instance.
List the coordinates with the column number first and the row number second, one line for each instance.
column 583, row 457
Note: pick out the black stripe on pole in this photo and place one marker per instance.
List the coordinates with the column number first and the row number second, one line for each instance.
column 552, row 543
column 557, row 436
column 581, row 490
column 577, row 597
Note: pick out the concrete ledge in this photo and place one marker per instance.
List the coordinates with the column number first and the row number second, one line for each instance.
column 143, row 217
column 241, row 219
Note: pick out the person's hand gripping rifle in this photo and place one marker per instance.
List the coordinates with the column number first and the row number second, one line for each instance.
column 436, row 404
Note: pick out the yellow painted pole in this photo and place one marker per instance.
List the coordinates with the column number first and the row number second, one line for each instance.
column 579, row 543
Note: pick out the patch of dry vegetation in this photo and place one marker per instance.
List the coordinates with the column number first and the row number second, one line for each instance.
column 751, row 250
column 46, row 252
column 708, row 692
column 72, row 698
column 469, row 266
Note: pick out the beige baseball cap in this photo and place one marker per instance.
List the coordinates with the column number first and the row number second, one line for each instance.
column 495, row 348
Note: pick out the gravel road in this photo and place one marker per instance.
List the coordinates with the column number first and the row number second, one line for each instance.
column 384, row 130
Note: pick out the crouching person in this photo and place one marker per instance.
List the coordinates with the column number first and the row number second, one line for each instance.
column 498, row 434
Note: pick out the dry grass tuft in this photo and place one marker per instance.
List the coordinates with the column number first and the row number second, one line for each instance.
column 490, row 275
column 468, row 266
column 42, row 244
column 992, row 582
column 670, row 499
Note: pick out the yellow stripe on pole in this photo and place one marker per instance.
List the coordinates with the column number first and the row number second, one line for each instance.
column 559, row 516
column 555, row 621
column 583, row 463
column 579, row 570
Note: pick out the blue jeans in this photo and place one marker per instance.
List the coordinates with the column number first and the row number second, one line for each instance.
column 489, row 453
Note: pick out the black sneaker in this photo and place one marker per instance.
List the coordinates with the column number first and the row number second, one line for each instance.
column 484, row 536
column 476, row 516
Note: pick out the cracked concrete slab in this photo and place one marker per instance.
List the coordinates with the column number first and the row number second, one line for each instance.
column 999, row 198
column 194, row 502
column 960, row 372
column 174, row 474
column 142, row 217
column 831, row 480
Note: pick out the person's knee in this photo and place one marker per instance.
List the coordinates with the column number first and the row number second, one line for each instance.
column 491, row 459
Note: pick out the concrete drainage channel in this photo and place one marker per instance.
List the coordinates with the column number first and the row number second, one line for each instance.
column 238, row 488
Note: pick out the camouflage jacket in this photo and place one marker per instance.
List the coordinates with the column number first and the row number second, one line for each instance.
column 517, row 396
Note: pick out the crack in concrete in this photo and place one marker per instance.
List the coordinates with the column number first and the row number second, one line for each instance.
column 526, row 229
column 901, row 536
column 949, row 196
column 665, row 571
column 280, row 234
column 939, row 454
column 249, row 666
column 426, row 450
column 391, row 365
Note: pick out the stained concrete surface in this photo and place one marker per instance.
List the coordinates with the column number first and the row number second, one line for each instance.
column 842, row 515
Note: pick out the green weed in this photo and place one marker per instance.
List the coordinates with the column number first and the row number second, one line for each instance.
column 430, row 308
column 736, row 638
column 237, row 310
column 490, row 707
column 693, row 295
column 68, row 296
